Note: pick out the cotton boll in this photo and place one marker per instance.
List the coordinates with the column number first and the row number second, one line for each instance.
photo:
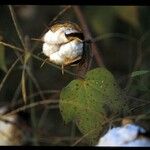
column 13, row 127
column 49, row 49
column 63, row 44
column 127, row 135
column 6, row 130
column 9, row 134
column 131, row 130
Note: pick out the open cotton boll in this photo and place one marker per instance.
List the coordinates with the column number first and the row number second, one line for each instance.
column 63, row 44
column 49, row 49
column 124, row 136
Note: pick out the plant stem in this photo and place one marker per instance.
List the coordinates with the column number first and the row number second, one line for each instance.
column 97, row 54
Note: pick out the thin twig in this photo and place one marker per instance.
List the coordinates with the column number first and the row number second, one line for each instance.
column 113, row 35
column 11, row 46
column 139, row 106
column 30, row 106
column 60, row 13
column 43, row 117
column 23, row 86
column 55, row 66
column 16, row 26
column 37, row 57
column 138, row 61
column 43, row 92
column 97, row 54
column 73, row 131
column 28, row 69
column 137, row 99
column 50, row 140
column 35, row 82
column 16, row 95
column 54, row 19
column 83, row 137
column 13, row 15
column 9, row 71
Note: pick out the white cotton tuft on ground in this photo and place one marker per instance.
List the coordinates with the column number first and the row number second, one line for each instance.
column 124, row 136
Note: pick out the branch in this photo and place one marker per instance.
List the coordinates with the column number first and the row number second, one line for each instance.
column 97, row 54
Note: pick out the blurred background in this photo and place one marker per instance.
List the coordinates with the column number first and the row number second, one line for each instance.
column 123, row 34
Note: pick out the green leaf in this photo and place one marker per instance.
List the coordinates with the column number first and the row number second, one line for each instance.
column 129, row 14
column 139, row 73
column 2, row 58
column 91, row 102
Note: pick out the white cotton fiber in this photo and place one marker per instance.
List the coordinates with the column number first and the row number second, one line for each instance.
column 126, row 135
